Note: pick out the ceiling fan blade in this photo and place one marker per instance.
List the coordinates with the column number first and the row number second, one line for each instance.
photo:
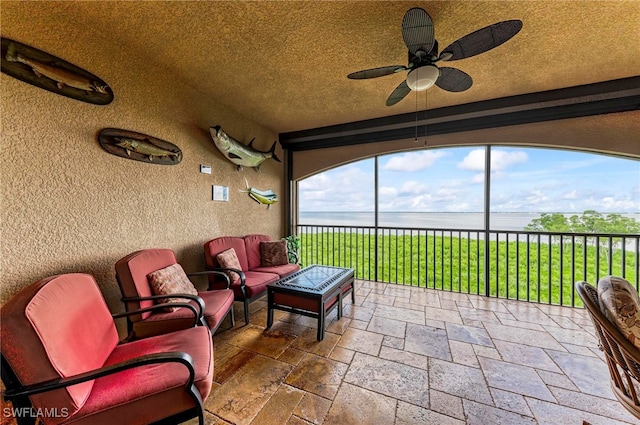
column 452, row 79
column 398, row 94
column 376, row 72
column 417, row 30
column 483, row 39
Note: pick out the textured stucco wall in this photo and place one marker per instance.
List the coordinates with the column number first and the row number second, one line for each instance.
column 69, row 206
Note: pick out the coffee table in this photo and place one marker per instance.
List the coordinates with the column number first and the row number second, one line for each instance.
column 313, row 292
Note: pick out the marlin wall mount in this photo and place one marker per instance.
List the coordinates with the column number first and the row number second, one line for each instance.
column 239, row 154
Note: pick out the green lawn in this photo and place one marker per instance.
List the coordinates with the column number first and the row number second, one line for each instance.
column 542, row 272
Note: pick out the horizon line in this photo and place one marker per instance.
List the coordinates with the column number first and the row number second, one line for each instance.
column 474, row 212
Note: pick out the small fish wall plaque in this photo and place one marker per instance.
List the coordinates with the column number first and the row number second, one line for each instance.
column 264, row 197
column 138, row 146
column 51, row 73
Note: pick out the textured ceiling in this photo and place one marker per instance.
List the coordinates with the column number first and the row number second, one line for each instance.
column 284, row 63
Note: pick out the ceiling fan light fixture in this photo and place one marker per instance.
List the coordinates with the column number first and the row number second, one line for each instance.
column 422, row 78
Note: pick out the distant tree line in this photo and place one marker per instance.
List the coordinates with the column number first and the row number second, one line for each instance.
column 590, row 221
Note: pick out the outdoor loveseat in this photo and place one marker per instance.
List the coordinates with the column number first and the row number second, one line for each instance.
column 252, row 262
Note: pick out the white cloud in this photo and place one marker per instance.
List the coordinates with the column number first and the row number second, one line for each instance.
column 571, row 195
column 413, row 187
column 347, row 188
column 413, row 161
column 500, row 160
column 315, row 183
column 609, row 203
column 386, row 192
column 478, row 178
column 474, row 161
column 537, row 197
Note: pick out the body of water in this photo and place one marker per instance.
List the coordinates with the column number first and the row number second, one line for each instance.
column 514, row 221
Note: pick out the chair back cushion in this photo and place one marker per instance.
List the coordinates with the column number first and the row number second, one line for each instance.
column 619, row 302
column 252, row 242
column 216, row 246
column 132, row 272
column 56, row 328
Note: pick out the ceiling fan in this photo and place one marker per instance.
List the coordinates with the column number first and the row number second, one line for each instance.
column 418, row 35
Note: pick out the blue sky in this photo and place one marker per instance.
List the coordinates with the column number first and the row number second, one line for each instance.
column 451, row 180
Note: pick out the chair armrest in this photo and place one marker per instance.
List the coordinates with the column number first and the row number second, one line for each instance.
column 54, row 384
column 243, row 279
column 198, row 314
column 211, row 272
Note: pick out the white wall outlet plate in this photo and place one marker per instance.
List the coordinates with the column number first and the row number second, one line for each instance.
column 205, row 169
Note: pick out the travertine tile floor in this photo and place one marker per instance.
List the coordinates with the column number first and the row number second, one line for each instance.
column 406, row 355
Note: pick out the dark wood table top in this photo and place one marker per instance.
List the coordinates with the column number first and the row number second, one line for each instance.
column 314, row 279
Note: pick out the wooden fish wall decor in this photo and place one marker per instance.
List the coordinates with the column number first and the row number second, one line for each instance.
column 51, row 73
column 139, row 147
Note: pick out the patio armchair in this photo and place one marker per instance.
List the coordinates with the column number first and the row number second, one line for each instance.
column 62, row 361
column 622, row 356
column 135, row 274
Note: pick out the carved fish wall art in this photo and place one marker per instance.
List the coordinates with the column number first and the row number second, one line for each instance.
column 264, row 197
column 51, row 73
column 139, row 147
column 239, row 154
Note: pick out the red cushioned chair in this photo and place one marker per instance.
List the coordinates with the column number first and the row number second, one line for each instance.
column 62, row 361
column 131, row 274
column 254, row 278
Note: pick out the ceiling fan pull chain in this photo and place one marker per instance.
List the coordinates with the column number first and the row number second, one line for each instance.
column 426, row 111
column 415, row 140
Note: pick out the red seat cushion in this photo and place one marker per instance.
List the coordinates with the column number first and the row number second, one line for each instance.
column 161, row 322
column 217, row 304
column 282, row 271
column 142, row 389
column 256, row 284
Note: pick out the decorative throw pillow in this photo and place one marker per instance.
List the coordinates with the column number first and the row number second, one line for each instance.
column 229, row 259
column 273, row 253
column 620, row 303
column 171, row 280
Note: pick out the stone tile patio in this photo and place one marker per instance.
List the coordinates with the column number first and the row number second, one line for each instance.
column 414, row 356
